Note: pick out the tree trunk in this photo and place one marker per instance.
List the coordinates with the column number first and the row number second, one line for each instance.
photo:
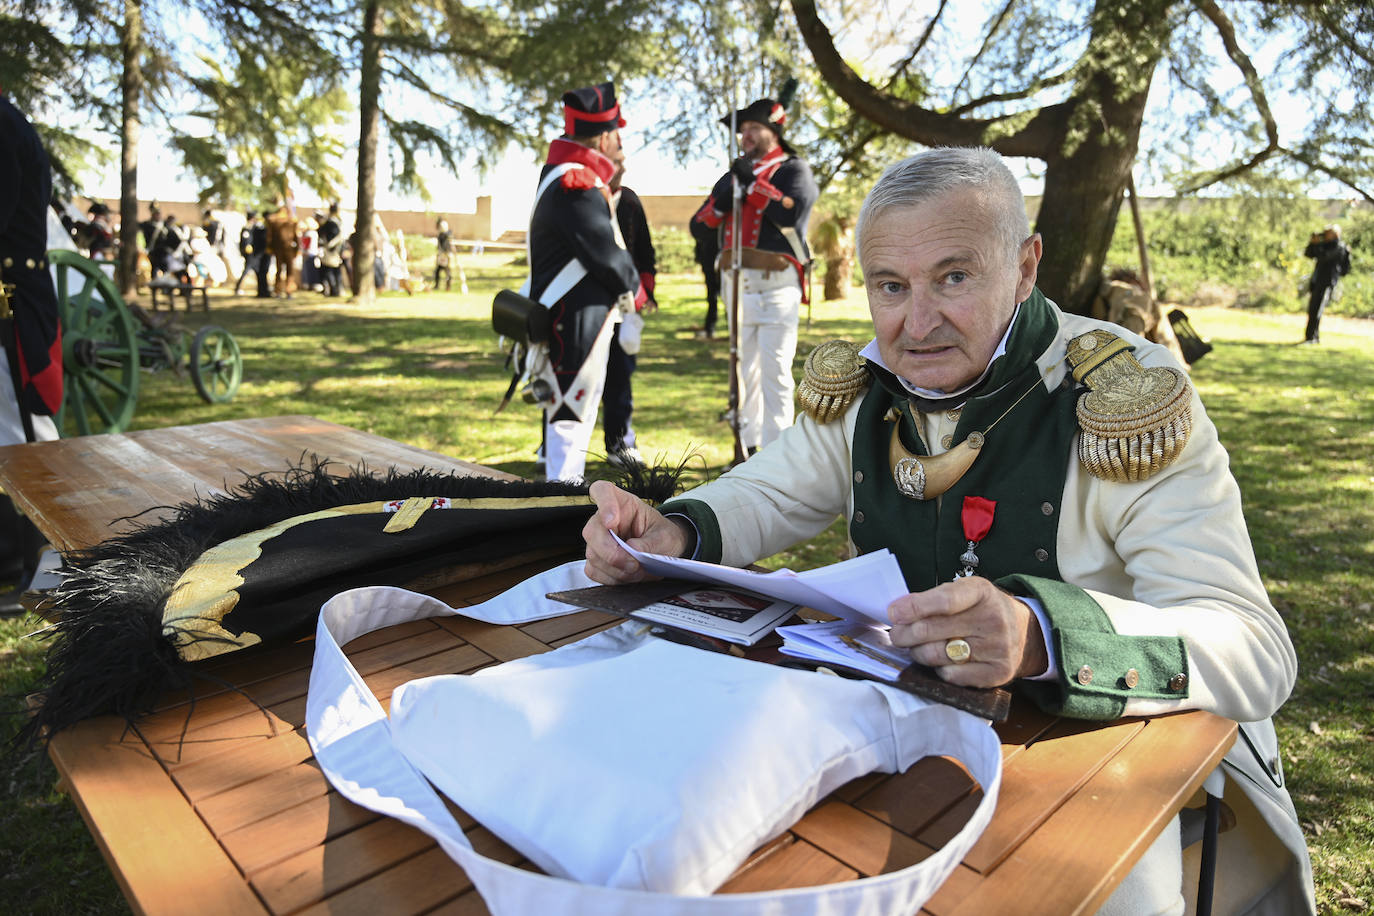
column 1087, row 171
column 131, row 93
column 369, row 92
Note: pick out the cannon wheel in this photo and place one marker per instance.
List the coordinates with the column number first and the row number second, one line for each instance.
column 99, row 349
column 216, row 364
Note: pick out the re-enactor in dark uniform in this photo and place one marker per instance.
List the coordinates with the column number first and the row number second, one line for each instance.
column 617, row 401
column 31, row 355
column 778, row 194
column 580, row 270
column 1054, row 493
column 33, row 346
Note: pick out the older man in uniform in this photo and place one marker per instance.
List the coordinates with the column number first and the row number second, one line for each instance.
column 580, row 270
column 1054, row 492
column 778, row 193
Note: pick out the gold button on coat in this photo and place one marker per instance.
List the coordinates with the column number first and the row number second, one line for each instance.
column 859, row 517
column 1085, row 675
column 1132, row 678
column 858, row 476
column 1046, row 509
column 946, row 441
column 953, row 414
column 1178, row 683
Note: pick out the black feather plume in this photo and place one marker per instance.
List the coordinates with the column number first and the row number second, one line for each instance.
column 787, row 93
column 110, row 651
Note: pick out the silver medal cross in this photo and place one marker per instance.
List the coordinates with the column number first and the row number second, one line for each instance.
column 970, row 561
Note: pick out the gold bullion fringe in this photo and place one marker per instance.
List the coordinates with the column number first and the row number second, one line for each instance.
column 1134, row 421
column 834, row 375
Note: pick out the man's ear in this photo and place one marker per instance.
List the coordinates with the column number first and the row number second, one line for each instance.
column 1028, row 266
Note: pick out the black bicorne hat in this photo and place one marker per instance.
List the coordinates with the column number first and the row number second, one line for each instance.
column 591, row 110
column 767, row 112
column 760, row 111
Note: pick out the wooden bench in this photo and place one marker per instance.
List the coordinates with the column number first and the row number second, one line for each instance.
column 219, row 802
column 169, row 291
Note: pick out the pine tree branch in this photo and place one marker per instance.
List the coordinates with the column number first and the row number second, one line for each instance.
column 1340, row 175
column 1238, row 56
column 983, row 48
column 1035, row 133
column 916, row 49
column 1037, row 86
column 1352, row 44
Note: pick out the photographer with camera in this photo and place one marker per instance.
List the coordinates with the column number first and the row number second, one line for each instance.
column 1332, row 262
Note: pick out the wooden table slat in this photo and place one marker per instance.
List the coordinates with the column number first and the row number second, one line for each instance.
column 340, row 862
column 1029, row 797
column 416, row 885
column 904, row 800
column 133, row 811
column 242, row 764
column 502, row 643
column 1123, row 807
column 793, row 864
column 859, row 840
column 294, row 830
column 102, row 506
column 263, row 798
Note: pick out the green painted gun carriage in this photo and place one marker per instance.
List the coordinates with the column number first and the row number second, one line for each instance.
column 107, row 342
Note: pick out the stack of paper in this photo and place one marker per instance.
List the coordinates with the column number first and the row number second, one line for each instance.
column 857, row 591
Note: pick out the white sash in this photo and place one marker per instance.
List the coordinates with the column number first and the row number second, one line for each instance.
column 352, row 741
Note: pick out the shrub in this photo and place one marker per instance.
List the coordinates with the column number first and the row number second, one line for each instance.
column 1246, row 251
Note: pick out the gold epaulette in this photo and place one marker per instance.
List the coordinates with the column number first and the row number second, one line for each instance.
column 834, row 376
column 1134, row 420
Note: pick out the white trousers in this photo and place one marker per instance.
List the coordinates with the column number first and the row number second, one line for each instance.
column 770, row 302
column 1154, row 887
column 11, row 425
column 566, row 442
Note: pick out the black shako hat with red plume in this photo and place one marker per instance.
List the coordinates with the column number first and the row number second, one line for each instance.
column 590, row 111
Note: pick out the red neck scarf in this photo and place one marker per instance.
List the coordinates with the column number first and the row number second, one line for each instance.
column 561, row 151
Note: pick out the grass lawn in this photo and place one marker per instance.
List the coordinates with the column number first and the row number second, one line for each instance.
column 426, row 370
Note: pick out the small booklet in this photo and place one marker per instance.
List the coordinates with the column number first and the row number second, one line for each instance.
column 731, row 614
column 852, row 645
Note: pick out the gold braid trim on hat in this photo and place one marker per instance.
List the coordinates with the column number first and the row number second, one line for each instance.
column 1134, row 421
column 835, row 374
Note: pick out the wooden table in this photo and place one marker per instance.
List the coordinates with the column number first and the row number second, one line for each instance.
column 220, row 807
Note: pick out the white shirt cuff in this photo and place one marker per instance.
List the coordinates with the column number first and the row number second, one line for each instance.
column 1052, row 672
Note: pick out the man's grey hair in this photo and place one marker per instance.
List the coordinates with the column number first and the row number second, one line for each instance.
column 935, row 172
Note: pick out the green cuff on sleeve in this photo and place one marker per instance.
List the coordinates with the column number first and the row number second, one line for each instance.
column 709, row 546
column 1099, row 670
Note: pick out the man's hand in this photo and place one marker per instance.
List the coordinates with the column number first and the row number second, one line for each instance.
column 638, row 524
column 1003, row 633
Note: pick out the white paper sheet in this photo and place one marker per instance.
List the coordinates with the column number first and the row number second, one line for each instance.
column 857, row 590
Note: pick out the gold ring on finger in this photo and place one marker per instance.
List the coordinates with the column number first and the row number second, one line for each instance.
column 958, row 651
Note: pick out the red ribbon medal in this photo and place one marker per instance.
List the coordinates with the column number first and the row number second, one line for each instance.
column 977, row 518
